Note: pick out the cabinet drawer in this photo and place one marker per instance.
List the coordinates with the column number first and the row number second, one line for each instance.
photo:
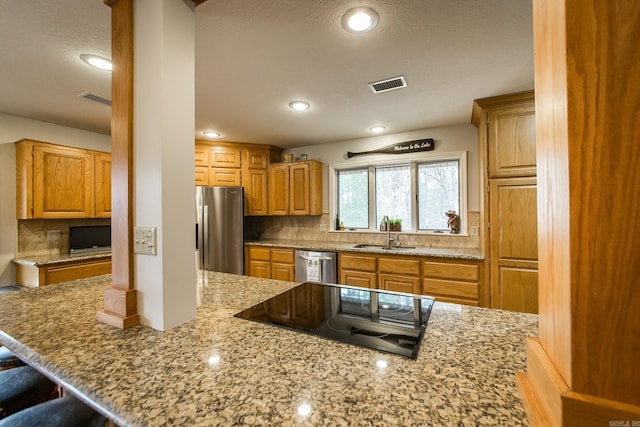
column 358, row 262
column 399, row 266
column 262, row 254
column 222, row 176
column 443, row 270
column 80, row 271
column 451, row 288
column 282, row 255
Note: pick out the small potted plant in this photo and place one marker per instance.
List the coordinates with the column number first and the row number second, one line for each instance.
column 395, row 224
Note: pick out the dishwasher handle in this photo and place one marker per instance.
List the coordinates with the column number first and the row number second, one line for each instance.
column 320, row 258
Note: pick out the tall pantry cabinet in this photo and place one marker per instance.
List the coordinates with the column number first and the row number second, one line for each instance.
column 507, row 148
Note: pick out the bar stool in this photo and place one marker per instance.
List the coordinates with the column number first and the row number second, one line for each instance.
column 8, row 360
column 62, row 412
column 23, row 387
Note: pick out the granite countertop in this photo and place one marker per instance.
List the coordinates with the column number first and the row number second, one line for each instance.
column 38, row 260
column 458, row 253
column 464, row 374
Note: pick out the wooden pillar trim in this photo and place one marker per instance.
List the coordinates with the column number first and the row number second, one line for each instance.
column 120, row 302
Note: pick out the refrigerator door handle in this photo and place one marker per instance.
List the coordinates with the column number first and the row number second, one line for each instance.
column 205, row 229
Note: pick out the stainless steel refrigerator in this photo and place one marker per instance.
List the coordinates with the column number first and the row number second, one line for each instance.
column 220, row 229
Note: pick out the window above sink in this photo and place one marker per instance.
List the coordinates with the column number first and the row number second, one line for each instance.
column 418, row 190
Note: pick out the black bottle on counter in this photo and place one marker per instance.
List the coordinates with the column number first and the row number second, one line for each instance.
column 337, row 222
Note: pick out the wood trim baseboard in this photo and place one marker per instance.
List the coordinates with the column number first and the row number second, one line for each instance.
column 544, row 387
column 548, row 400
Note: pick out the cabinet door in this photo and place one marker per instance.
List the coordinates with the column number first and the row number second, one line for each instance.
column 363, row 279
column 299, row 189
column 255, row 192
column 225, row 157
column 260, row 269
column 392, row 282
column 257, row 159
column 280, row 271
column 62, row 182
column 224, row 176
column 201, row 157
column 279, row 190
column 102, row 163
column 512, row 141
column 514, row 244
column 202, row 175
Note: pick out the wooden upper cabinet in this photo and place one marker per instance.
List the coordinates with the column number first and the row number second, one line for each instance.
column 225, row 157
column 279, row 189
column 295, row 188
column 512, row 141
column 102, row 168
column 305, row 185
column 56, row 181
column 257, row 159
column 237, row 164
column 225, row 177
column 255, row 192
column 202, row 166
column 62, row 182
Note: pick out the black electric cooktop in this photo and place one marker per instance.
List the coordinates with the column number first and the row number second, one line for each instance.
column 387, row 321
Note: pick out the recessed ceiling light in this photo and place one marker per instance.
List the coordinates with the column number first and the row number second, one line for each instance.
column 377, row 129
column 360, row 20
column 299, row 105
column 211, row 134
column 97, row 61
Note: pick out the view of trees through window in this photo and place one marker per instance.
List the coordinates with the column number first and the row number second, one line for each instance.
column 437, row 184
column 353, row 197
column 393, row 194
column 438, row 192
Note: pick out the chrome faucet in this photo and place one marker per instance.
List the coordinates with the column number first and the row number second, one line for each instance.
column 385, row 221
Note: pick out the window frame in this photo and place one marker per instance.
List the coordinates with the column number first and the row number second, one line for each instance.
column 405, row 159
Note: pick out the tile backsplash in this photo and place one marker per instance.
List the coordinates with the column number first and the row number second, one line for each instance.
column 309, row 228
column 48, row 236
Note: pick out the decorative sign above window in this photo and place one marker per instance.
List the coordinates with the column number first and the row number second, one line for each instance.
column 400, row 148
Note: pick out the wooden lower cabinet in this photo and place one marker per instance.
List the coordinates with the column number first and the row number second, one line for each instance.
column 447, row 280
column 453, row 281
column 270, row 263
column 358, row 270
column 399, row 274
column 283, row 265
column 33, row 276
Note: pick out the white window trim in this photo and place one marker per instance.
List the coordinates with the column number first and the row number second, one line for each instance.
column 461, row 156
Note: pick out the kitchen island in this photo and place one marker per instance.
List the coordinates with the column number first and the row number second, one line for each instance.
column 222, row 370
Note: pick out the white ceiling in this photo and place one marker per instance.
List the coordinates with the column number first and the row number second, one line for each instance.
column 254, row 56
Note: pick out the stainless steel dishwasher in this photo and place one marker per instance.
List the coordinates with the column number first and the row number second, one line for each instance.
column 312, row 266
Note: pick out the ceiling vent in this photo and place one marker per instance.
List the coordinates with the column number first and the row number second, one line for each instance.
column 96, row 98
column 388, row 84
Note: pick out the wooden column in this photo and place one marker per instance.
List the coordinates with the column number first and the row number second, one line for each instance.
column 120, row 302
column 584, row 370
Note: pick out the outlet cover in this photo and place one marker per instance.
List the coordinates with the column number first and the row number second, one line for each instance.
column 145, row 240
column 474, row 230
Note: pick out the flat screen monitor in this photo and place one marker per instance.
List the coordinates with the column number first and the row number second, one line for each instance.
column 89, row 238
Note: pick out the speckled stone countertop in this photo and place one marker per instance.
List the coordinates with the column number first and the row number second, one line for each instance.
column 460, row 253
column 59, row 258
column 222, row 370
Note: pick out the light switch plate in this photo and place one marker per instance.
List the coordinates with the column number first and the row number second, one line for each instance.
column 145, row 240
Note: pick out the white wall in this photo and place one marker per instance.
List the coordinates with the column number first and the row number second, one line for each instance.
column 462, row 137
column 14, row 128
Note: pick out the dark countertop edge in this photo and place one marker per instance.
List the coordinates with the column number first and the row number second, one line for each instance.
column 450, row 253
column 38, row 260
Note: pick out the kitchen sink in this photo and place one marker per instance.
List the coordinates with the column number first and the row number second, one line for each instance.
column 394, row 248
